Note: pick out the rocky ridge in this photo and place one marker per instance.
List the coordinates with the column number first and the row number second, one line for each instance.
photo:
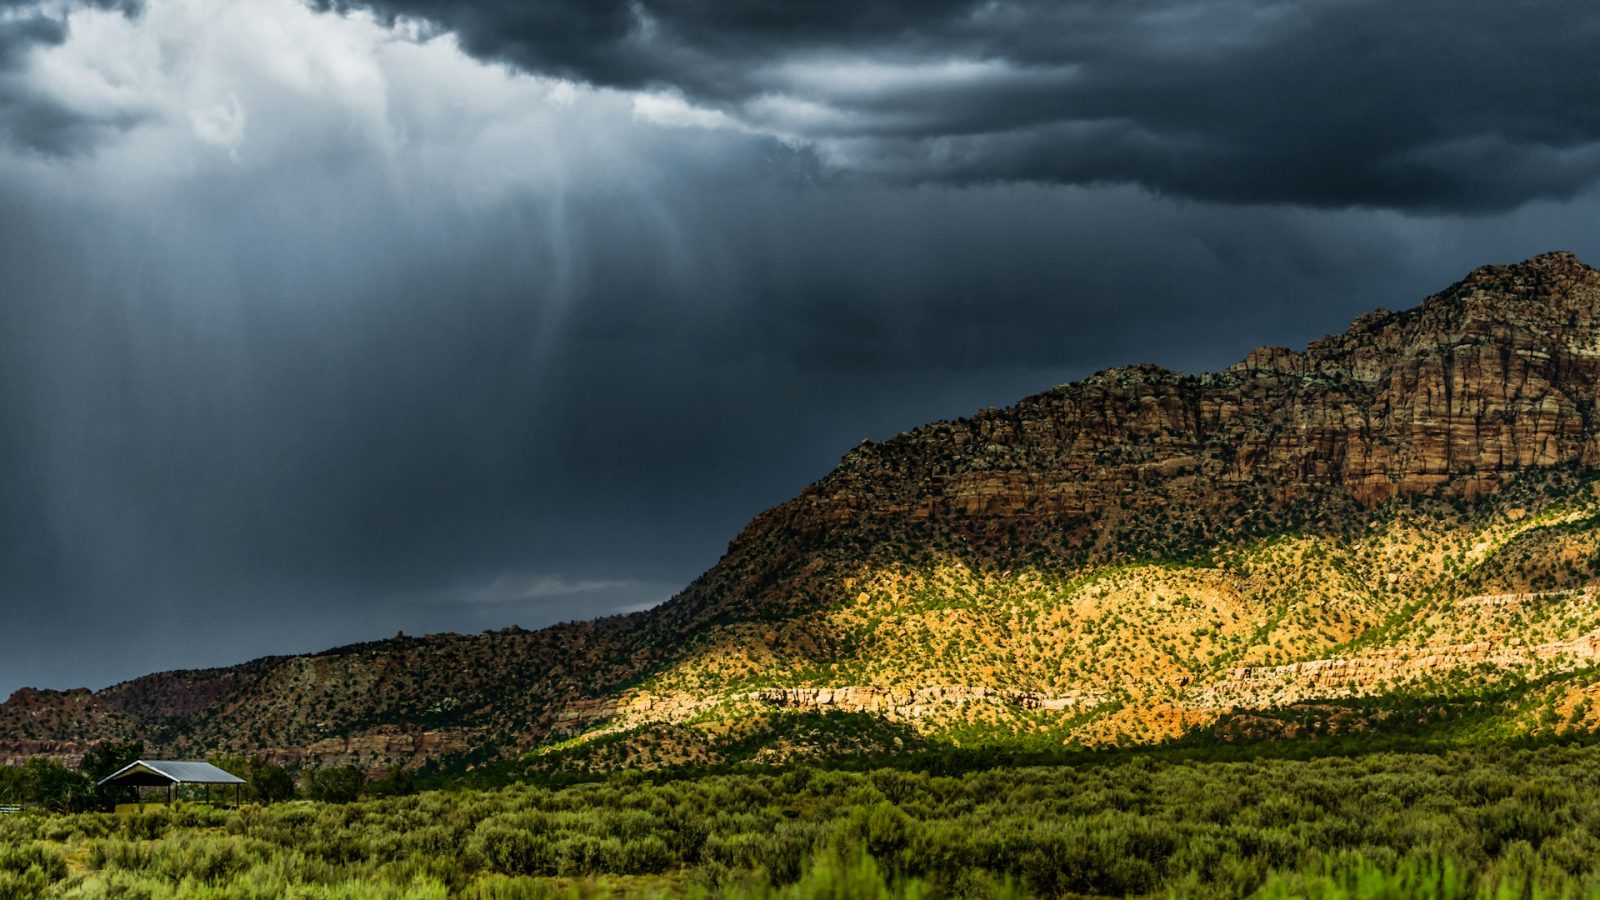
column 1495, row 375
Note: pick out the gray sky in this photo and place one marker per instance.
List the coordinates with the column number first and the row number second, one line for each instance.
column 319, row 322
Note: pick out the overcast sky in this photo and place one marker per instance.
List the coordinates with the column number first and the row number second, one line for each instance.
column 323, row 321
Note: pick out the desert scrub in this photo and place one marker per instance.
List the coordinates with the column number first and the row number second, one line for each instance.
column 1493, row 821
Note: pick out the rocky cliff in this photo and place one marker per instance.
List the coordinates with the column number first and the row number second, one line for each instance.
column 1493, row 376
column 1124, row 558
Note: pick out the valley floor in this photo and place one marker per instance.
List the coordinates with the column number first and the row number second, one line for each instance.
column 1494, row 821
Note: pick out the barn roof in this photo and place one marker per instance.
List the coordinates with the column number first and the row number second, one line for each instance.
column 170, row 771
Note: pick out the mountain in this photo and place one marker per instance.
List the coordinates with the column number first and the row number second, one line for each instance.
column 1395, row 528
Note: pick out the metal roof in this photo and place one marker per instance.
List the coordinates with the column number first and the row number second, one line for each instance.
column 174, row 771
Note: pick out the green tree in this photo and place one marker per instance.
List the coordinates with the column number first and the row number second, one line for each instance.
column 107, row 757
column 269, row 782
column 13, row 786
column 265, row 781
column 339, row 784
column 49, row 784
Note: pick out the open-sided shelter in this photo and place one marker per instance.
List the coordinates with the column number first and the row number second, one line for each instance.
column 170, row 773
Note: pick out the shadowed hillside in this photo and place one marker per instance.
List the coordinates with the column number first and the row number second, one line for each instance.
column 1397, row 527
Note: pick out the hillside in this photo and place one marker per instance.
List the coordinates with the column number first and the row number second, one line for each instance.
column 1397, row 527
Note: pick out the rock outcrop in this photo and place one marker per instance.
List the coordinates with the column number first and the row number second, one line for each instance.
column 1371, row 673
column 1493, row 376
column 895, row 704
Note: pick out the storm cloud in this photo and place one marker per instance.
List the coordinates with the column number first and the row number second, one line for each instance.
column 1435, row 105
column 317, row 325
column 39, row 114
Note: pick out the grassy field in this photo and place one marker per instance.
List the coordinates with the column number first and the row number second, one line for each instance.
column 1490, row 822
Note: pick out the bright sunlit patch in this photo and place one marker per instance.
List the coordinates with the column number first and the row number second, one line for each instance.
column 868, row 78
column 669, row 109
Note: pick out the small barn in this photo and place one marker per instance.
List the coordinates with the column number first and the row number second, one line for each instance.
column 172, row 773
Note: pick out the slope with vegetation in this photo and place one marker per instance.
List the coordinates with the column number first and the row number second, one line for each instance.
column 1396, row 528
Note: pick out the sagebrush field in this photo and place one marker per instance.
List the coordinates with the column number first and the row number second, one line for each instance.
column 1487, row 822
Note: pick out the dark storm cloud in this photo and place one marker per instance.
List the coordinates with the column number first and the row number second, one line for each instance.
column 30, row 116
column 704, row 45
column 1435, row 105
column 294, row 415
column 25, row 25
column 22, row 34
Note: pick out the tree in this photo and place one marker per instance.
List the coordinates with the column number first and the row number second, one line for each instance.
column 106, row 757
column 339, row 784
column 265, row 782
column 13, row 786
column 48, row 783
column 269, row 782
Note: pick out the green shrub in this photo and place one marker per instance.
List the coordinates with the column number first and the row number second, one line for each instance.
column 339, row 784
column 1490, row 823
column 32, row 860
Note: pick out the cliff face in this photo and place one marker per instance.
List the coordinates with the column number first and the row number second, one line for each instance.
column 1493, row 376
column 967, row 569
